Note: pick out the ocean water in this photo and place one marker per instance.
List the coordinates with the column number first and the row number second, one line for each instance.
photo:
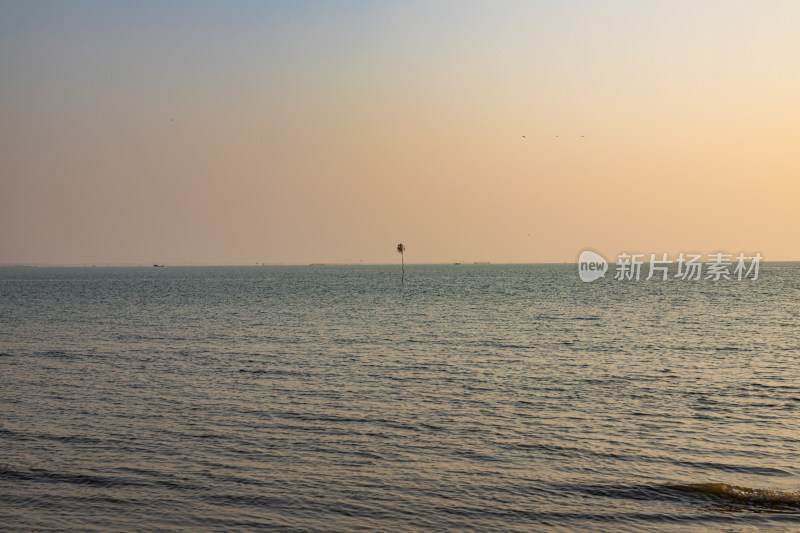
column 335, row 398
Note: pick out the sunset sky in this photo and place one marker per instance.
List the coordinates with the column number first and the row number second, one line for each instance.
column 297, row 132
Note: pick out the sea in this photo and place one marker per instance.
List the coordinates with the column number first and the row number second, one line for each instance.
column 339, row 398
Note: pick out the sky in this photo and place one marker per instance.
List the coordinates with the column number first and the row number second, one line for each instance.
column 294, row 132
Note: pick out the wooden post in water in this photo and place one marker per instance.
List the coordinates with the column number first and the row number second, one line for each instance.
column 401, row 248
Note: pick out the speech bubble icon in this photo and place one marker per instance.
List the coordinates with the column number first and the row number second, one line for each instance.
column 591, row 266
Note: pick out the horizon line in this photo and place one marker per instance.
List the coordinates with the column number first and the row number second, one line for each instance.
column 314, row 264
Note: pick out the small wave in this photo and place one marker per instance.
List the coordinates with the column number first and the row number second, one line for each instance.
column 719, row 497
column 743, row 498
column 58, row 354
column 38, row 474
column 733, row 467
column 274, row 372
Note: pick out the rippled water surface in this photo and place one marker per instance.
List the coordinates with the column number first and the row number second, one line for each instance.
column 333, row 398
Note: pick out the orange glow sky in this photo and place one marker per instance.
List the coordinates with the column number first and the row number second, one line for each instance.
column 298, row 132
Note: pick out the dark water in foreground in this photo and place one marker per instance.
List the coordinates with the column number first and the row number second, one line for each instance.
column 473, row 398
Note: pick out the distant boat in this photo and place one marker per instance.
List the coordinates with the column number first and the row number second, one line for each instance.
column 456, row 263
column 158, row 266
